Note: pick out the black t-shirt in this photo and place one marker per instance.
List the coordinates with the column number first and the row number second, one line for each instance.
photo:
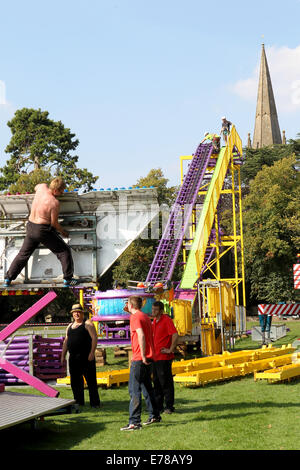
column 226, row 125
column 79, row 341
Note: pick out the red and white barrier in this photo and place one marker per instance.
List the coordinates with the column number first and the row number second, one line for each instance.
column 296, row 269
column 279, row 309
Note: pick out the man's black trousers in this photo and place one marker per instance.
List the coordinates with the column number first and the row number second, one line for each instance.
column 50, row 238
column 80, row 367
column 163, row 384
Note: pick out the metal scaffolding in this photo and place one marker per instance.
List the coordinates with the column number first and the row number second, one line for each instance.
column 209, row 256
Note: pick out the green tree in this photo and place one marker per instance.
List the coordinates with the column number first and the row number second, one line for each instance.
column 155, row 177
column 255, row 159
column 272, row 232
column 27, row 182
column 135, row 262
column 37, row 143
column 295, row 145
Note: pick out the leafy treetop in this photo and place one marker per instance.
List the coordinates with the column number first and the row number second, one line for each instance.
column 37, row 143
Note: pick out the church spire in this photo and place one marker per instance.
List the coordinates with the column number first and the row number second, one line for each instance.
column 266, row 131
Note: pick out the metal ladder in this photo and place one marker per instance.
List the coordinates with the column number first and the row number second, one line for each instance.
column 170, row 244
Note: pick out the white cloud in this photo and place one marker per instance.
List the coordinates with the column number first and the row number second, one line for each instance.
column 7, row 109
column 284, row 65
column 2, row 93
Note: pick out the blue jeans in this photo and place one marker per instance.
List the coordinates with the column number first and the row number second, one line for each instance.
column 140, row 382
column 265, row 322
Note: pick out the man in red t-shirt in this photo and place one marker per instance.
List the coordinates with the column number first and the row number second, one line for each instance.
column 165, row 340
column 140, row 368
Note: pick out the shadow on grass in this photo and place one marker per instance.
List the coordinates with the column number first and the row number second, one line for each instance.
column 51, row 434
column 211, row 412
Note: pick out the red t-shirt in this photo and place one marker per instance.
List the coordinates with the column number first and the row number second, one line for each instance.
column 162, row 334
column 141, row 320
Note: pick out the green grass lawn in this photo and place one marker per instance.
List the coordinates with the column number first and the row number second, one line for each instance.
column 237, row 414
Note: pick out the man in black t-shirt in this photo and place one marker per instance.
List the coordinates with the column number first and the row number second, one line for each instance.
column 81, row 342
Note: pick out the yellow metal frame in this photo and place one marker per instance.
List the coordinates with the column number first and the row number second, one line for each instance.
column 108, row 378
column 205, row 369
column 202, row 376
column 286, row 372
column 225, row 243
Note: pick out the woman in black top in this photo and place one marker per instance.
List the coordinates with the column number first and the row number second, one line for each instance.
column 81, row 342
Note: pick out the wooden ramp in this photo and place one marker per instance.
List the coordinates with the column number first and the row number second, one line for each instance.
column 16, row 408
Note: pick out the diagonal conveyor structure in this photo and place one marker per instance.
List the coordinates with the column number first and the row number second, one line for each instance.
column 204, row 227
column 177, row 226
column 171, row 242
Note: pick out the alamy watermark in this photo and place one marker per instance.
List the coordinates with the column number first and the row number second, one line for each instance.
column 148, row 221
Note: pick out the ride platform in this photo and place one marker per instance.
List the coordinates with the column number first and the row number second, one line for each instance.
column 46, row 284
column 17, row 408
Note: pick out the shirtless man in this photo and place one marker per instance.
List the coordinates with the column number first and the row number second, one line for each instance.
column 43, row 227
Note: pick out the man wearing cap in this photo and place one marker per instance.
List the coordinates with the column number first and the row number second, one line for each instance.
column 81, row 342
column 165, row 340
column 215, row 139
column 225, row 128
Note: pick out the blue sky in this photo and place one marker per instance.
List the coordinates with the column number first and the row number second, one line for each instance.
column 139, row 82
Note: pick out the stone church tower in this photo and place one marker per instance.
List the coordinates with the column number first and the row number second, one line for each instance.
column 266, row 131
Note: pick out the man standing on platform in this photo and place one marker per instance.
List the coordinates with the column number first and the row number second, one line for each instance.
column 140, row 368
column 43, row 227
column 225, row 128
column 165, row 340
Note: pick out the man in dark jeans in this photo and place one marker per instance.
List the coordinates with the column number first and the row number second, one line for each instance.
column 43, row 227
column 165, row 341
column 140, row 368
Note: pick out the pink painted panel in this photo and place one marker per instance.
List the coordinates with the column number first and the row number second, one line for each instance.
column 29, row 313
column 29, row 379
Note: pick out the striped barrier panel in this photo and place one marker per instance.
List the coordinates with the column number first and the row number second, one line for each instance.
column 279, row 309
column 296, row 270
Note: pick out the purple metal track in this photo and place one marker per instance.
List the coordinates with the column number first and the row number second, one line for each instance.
column 170, row 244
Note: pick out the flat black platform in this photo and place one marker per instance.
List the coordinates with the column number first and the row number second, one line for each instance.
column 45, row 285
